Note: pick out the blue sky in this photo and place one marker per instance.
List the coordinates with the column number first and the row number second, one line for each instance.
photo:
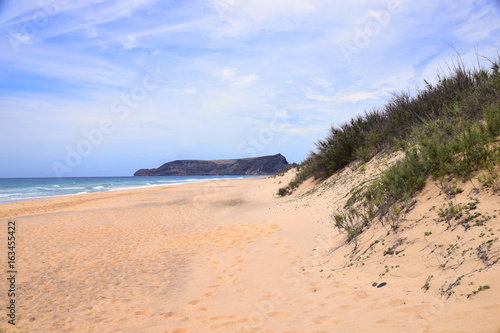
column 91, row 88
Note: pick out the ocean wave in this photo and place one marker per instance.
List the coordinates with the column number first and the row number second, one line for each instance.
column 47, row 188
column 34, row 189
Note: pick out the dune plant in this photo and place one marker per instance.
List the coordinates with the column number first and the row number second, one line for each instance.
column 437, row 113
column 351, row 223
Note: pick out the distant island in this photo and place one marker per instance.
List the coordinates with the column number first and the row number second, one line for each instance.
column 264, row 165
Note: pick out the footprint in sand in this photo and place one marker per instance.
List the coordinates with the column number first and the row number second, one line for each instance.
column 170, row 315
column 279, row 314
column 142, row 313
column 215, row 318
column 194, row 302
column 349, row 307
column 326, row 319
column 490, row 307
column 228, row 323
column 179, row 330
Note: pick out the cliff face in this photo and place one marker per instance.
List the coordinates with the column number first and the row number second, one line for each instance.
column 265, row 165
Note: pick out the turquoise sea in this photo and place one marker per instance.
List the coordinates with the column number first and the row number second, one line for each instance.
column 17, row 189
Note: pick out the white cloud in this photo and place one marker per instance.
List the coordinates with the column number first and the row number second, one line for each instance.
column 22, row 38
column 66, row 65
column 359, row 96
column 250, row 16
column 228, row 74
column 130, row 41
column 310, row 94
column 257, row 57
column 245, row 81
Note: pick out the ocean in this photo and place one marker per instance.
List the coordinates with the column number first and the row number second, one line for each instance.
column 17, row 189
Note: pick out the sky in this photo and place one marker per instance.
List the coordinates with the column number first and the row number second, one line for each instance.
column 103, row 88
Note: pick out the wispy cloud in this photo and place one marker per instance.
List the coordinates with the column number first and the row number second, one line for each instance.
column 245, row 80
column 359, row 96
column 130, row 41
column 228, row 74
column 226, row 66
column 22, row 38
column 311, row 94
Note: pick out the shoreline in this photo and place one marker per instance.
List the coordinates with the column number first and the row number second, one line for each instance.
column 27, row 206
column 187, row 181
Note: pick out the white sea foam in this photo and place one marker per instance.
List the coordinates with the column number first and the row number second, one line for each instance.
column 24, row 189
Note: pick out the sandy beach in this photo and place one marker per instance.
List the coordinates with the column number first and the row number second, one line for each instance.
column 230, row 256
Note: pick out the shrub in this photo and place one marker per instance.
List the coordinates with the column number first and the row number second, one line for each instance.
column 492, row 118
column 282, row 191
column 351, row 223
column 457, row 99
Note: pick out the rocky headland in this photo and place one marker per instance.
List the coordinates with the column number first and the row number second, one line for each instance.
column 264, row 165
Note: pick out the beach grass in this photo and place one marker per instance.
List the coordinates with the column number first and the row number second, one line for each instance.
column 438, row 112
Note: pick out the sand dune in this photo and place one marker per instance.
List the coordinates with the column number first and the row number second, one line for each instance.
column 229, row 256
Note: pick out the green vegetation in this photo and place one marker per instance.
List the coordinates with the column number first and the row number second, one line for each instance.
column 427, row 285
column 421, row 125
column 481, row 288
column 449, row 291
column 352, row 223
column 448, row 130
column 281, row 191
column 452, row 211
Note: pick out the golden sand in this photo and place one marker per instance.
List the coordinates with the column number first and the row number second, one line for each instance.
column 230, row 256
